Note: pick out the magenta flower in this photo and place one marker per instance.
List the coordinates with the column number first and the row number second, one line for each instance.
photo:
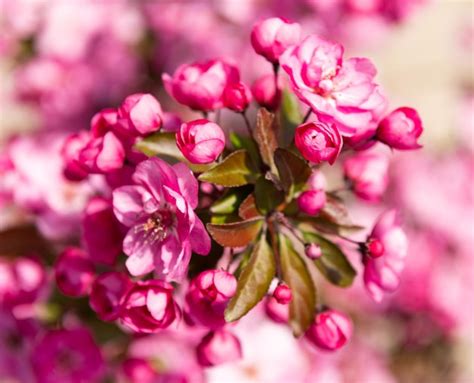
column 201, row 141
column 74, row 272
column 218, row 347
column 313, row 251
column 272, row 36
column 311, row 201
column 149, row 306
column 265, row 92
column 367, row 174
column 384, row 258
column 330, row 330
column 208, row 296
column 164, row 229
column 341, row 91
column 401, row 129
column 318, row 141
column 201, row 85
column 237, row 97
column 282, row 294
column 68, row 356
column 140, row 114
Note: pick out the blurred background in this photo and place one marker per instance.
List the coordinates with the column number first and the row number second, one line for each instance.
column 63, row 60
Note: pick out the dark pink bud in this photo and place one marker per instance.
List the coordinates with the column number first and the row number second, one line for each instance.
column 149, row 306
column 375, row 247
column 313, row 251
column 74, row 169
column 139, row 370
column 401, row 129
column 140, row 114
column 277, row 312
column 217, row 348
column 74, row 272
column 311, row 201
column 237, row 96
column 318, row 142
column 272, row 36
column 107, row 292
column 208, row 296
column 282, row 294
column 265, row 92
column 330, row 330
column 103, row 121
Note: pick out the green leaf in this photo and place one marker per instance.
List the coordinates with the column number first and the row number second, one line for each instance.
column 230, row 201
column 298, row 279
column 324, row 225
column 266, row 133
column 333, row 264
column 224, row 218
column 235, row 170
column 247, row 143
column 267, row 197
column 236, row 234
column 253, row 282
column 164, row 146
column 293, row 171
column 290, row 108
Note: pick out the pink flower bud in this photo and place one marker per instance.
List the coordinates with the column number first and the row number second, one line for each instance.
column 140, row 114
column 103, row 121
column 103, row 154
column 282, row 294
column 201, row 85
column 217, row 348
column 74, row 272
column 149, row 306
column 139, row 370
column 237, row 96
column 106, row 294
column 102, row 233
column 264, row 92
column 318, row 141
column 200, row 141
column 316, row 181
column 313, row 251
column 367, row 174
column 375, row 247
column 330, row 330
column 74, row 170
column 272, row 36
column 311, row 201
column 277, row 312
column 401, row 129
column 208, row 296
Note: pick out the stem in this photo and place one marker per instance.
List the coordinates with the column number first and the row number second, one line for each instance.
column 247, row 123
column 276, row 68
column 350, row 240
column 308, row 113
column 282, row 219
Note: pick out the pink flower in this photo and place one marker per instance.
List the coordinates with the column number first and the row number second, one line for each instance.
column 340, row 91
column 401, row 129
column 282, row 294
column 311, row 201
column 218, row 347
column 316, row 181
column 330, row 330
column 201, row 85
column 107, row 293
column 237, row 96
column 158, row 209
column 265, row 92
column 313, row 251
column 208, row 296
column 74, row 272
column 139, row 370
column 318, row 141
column 382, row 272
column 101, row 232
column 67, row 356
column 272, row 36
column 367, row 173
column 276, row 311
column 74, row 170
column 200, row 141
column 149, row 306
column 140, row 114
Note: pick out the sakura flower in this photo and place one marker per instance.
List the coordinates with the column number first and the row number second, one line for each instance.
column 164, row 229
column 341, row 91
column 385, row 254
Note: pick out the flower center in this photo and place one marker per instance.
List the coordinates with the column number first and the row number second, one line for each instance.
column 156, row 227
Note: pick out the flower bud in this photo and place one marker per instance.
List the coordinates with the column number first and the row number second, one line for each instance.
column 74, row 170
column 103, row 154
column 277, row 312
column 311, row 201
column 282, row 294
column 103, row 121
column 237, row 96
column 318, row 141
column 217, row 348
column 149, row 306
column 401, row 129
column 330, row 330
column 139, row 370
column 208, row 296
column 140, row 114
column 313, row 251
column 74, row 272
column 106, row 294
column 272, row 36
column 264, row 92
column 200, row 141
column 374, row 247
column 316, row 181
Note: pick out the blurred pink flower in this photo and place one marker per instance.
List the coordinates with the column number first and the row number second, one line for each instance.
column 140, row 114
column 218, row 347
column 401, row 129
column 330, row 331
column 237, row 97
column 311, row 201
column 74, row 272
